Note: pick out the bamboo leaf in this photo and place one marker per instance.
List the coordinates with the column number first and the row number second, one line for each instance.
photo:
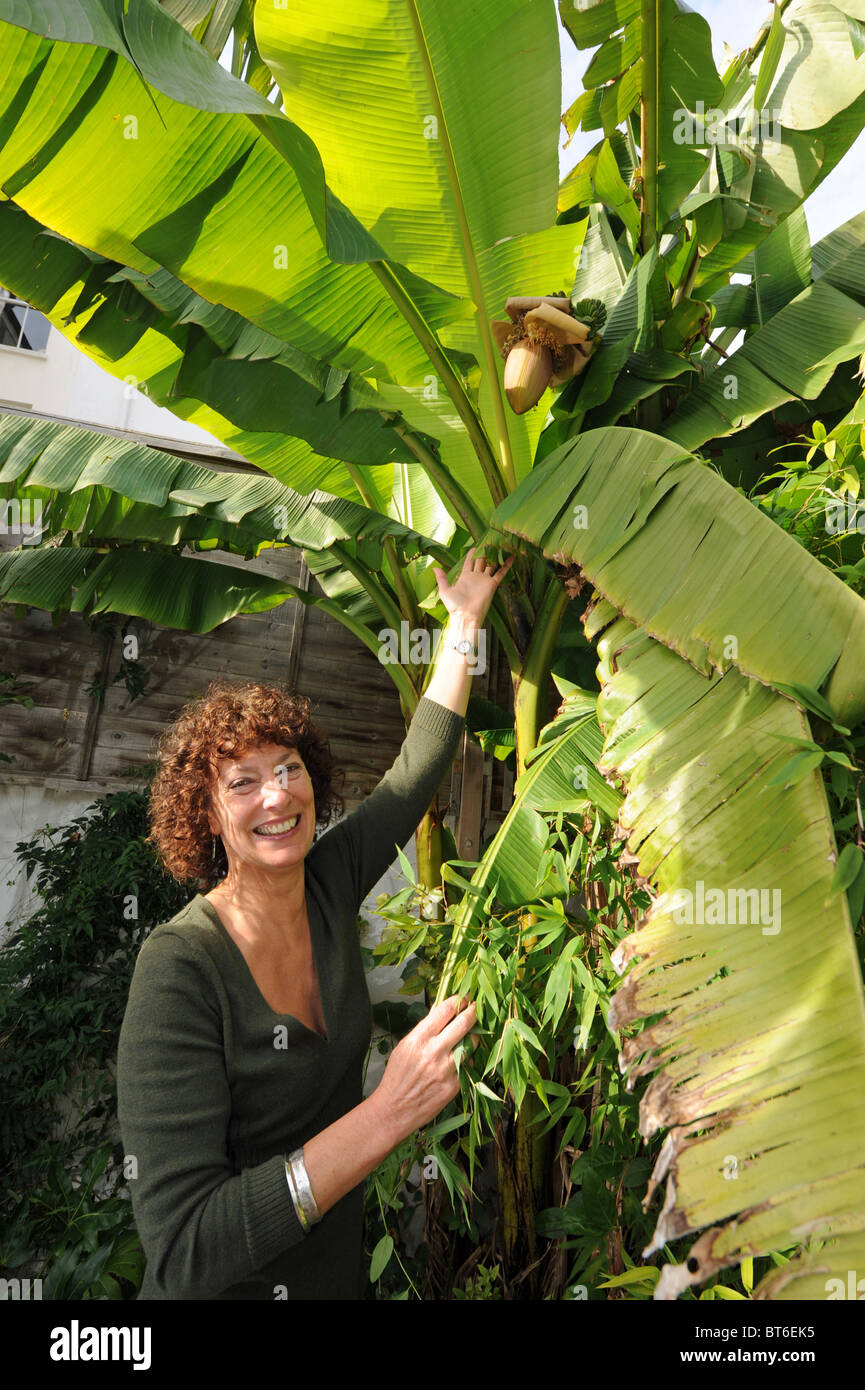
column 847, row 869
column 381, row 1256
column 797, row 768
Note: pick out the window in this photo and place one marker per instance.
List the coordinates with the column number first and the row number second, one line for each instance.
column 20, row 326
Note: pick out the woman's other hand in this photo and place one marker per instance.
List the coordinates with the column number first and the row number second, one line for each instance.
column 421, row 1075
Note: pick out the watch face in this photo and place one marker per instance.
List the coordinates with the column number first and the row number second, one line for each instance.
column 464, row 646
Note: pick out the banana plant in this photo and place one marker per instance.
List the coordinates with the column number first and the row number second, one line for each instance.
column 213, row 22
column 721, row 641
column 311, row 292
column 426, row 227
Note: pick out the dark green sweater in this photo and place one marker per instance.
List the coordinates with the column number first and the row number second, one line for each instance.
column 214, row 1087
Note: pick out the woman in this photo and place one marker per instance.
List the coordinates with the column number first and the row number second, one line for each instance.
column 239, row 1067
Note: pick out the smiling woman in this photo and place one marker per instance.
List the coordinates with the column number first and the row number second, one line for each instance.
column 245, row 776
column 211, row 757
column 240, row 1062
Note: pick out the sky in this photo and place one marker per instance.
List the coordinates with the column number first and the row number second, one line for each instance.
column 737, row 23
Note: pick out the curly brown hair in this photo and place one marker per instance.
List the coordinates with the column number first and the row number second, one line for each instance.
column 229, row 719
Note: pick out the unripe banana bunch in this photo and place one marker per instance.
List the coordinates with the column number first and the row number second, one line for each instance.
column 545, row 341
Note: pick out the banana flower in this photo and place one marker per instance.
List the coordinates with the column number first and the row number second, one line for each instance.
column 544, row 343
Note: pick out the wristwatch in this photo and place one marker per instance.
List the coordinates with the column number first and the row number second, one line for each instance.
column 463, row 645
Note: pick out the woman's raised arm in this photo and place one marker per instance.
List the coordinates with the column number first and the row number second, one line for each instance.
column 467, row 601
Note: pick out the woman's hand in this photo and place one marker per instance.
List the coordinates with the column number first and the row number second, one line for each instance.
column 421, row 1076
column 419, row 1080
column 472, row 592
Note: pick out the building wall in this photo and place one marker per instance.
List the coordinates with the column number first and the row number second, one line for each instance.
column 63, row 381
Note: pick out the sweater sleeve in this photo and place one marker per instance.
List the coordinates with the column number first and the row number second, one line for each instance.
column 369, row 836
column 202, row 1227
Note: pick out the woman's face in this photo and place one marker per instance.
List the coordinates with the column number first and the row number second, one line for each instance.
column 263, row 807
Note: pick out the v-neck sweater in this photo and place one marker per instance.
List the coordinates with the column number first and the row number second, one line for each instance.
column 215, row 1088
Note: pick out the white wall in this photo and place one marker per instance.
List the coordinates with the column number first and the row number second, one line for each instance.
column 65, row 382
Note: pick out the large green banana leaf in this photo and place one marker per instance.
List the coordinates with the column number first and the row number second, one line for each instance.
column 192, row 595
column 759, row 1041
column 150, row 331
column 694, row 563
column 234, row 204
column 760, row 1048
column 462, row 191
column 203, row 193
column 212, row 22
column 94, row 489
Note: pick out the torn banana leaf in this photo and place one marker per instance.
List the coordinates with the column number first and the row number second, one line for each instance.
column 694, row 563
column 759, row 1053
column 745, row 966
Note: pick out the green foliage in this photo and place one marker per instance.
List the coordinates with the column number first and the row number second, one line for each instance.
column 540, row 972
column 134, row 674
column 541, row 985
column 541, row 977
column 815, row 497
column 484, row 1284
column 64, row 982
column 14, row 691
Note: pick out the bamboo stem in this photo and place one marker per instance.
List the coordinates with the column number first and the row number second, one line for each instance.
column 528, row 685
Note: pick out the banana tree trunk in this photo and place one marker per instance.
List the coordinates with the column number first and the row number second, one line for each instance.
column 523, row 1165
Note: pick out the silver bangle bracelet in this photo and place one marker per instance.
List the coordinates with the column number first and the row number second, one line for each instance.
column 301, row 1215
column 299, row 1186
